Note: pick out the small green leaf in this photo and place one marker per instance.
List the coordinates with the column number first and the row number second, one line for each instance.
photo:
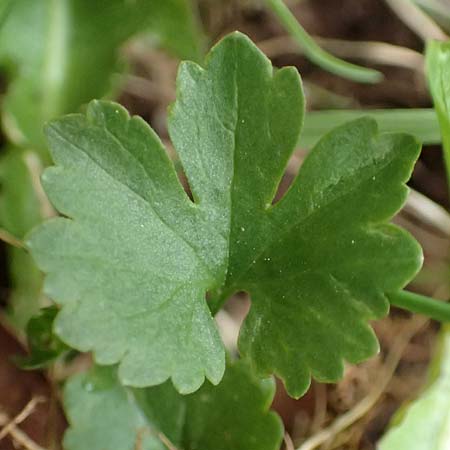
column 59, row 54
column 426, row 422
column 438, row 72
column 44, row 346
column 105, row 416
column 134, row 258
column 234, row 415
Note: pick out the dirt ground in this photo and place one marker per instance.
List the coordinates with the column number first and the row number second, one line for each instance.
column 370, row 393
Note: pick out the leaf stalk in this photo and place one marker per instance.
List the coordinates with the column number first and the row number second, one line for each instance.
column 421, row 304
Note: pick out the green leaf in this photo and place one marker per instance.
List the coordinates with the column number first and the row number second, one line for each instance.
column 438, row 73
column 234, row 415
column 134, row 259
column 426, row 422
column 43, row 345
column 60, row 54
column 19, row 212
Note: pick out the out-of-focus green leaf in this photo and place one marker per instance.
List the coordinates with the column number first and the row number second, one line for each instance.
column 425, row 424
column 4, row 9
column 175, row 23
column 438, row 72
column 234, row 415
column 19, row 212
column 19, row 205
column 421, row 123
column 44, row 346
column 60, row 54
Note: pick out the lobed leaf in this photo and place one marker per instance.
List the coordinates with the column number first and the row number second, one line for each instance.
column 132, row 261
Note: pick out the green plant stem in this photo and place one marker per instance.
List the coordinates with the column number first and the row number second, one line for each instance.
column 315, row 53
column 416, row 303
column 420, row 304
column 421, row 123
